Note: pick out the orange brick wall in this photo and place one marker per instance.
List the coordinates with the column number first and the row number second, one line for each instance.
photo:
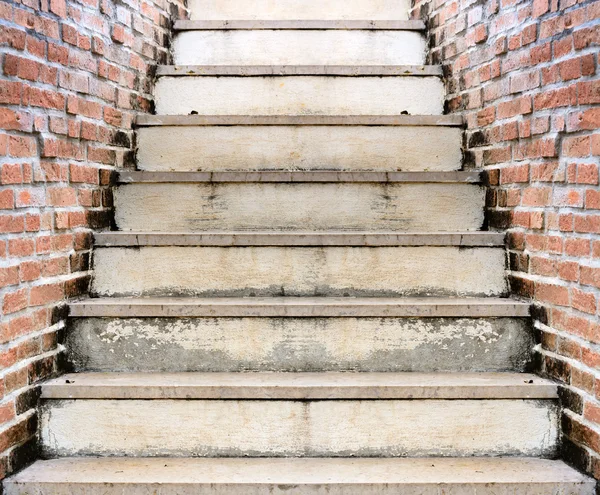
column 525, row 75
column 72, row 76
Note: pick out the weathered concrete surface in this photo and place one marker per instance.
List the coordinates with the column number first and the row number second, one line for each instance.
column 296, row 24
column 213, row 148
column 299, row 70
column 312, row 120
column 284, row 386
column 367, row 207
column 278, row 271
column 300, row 307
column 299, row 9
column 299, row 47
column 299, row 344
column 477, row 476
column 464, row 239
column 299, row 95
column 276, row 428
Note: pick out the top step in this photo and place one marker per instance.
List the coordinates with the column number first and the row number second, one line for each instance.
column 299, row 9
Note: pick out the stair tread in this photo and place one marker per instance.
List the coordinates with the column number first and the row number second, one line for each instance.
column 473, row 176
column 298, row 471
column 299, row 70
column 292, row 120
column 307, row 385
column 409, row 25
column 298, row 306
column 471, row 239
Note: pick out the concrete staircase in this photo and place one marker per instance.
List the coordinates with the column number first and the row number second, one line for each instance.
column 299, row 214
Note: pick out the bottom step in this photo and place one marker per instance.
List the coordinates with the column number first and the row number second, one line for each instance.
column 167, row 476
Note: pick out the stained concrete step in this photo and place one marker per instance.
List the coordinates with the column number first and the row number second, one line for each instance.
column 300, row 307
column 300, row 9
column 291, row 424
column 464, row 239
column 309, row 386
column 299, row 24
column 284, row 95
column 299, row 334
column 217, row 143
column 298, row 70
column 299, row 201
column 299, row 47
column 298, row 271
column 115, row 476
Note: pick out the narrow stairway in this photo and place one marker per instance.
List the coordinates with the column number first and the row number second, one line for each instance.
column 300, row 297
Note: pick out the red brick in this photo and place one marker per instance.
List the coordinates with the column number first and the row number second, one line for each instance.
column 45, row 294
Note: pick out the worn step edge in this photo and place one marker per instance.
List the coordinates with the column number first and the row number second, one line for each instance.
column 411, row 25
column 143, row 120
column 127, row 177
column 299, row 70
column 299, row 307
column 325, row 475
column 480, row 239
column 285, row 386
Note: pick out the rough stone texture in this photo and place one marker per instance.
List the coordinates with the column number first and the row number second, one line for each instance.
column 299, row 147
column 299, row 344
column 106, row 476
column 299, row 9
column 292, row 271
column 299, row 207
column 73, row 74
column 301, row 47
column 525, row 76
column 299, row 95
column 276, row 428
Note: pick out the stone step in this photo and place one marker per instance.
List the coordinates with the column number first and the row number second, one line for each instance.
column 252, row 423
column 310, row 176
column 298, row 24
column 464, row 239
column 298, row 9
column 284, row 95
column 299, row 386
column 300, row 307
column 299, row 334
column 235, row 476
column 218, row 143
column 298, row 271
column 299, row 201
column 298, row 70
column 299, row 47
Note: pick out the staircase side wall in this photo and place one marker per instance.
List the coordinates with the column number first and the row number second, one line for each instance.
column 525, row 75
column 72, row 76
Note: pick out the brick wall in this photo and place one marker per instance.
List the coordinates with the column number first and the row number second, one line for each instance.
column 525, row 76
column 73, row 73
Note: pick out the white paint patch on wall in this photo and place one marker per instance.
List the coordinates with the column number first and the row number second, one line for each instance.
column 381, row 148
column 299, row 428
column 299, row 47
column 307, row 95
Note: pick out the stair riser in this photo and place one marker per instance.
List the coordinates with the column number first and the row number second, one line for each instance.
column 299, row 9
column 382, row 428
column 299, row 207
column 278, row 271
column 325, row 95
column 299, row 47
column 299, row 344
column 379, row 148
column 141, row 488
